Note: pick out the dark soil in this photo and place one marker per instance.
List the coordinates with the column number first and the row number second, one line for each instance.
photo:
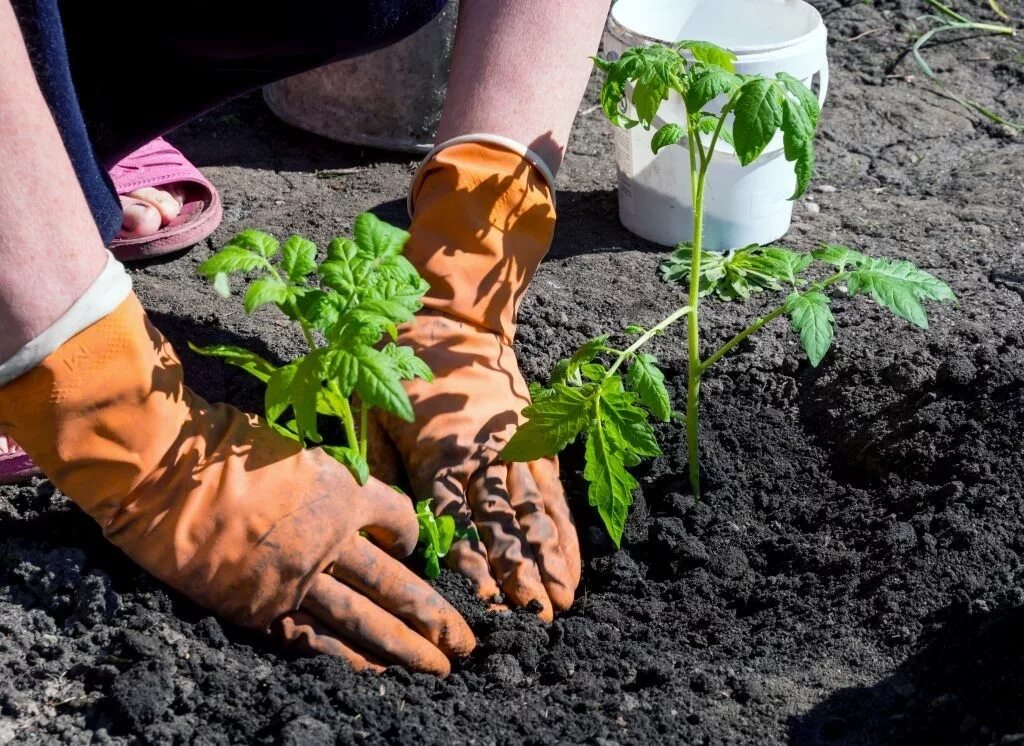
column 853, row 575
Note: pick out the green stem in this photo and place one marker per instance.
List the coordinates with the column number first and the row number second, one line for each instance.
column 294, row 308
column 363, row 434
column 346, row 417
column 646, row 337
column 756, row 326
column 697, row 181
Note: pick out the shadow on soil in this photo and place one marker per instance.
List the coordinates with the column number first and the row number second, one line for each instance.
column 965, row 685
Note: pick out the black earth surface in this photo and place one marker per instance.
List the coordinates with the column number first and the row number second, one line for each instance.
column 853, row 574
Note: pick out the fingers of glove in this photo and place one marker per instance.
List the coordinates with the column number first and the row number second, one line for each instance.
column 390, row 518
column 394, row 587
column 303, row 633
column 508, row 550
column 542, row 535
column 466, row 556
column 359, row 620
column 545, row 474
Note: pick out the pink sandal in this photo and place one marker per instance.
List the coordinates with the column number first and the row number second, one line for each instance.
column 15, row 465
column 155, row 164
column 159, row 164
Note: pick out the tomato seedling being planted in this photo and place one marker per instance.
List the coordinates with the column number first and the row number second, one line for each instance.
column 349, row 320
column 608, row 393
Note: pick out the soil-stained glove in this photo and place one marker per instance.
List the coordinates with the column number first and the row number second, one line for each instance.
column 219, row 506
column 483, row 217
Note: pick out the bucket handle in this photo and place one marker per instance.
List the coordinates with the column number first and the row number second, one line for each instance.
column 822, row 84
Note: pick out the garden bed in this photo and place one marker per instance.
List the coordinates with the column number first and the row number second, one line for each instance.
column 852, row 575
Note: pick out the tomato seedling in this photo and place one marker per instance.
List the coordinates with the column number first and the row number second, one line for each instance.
column 587, row 393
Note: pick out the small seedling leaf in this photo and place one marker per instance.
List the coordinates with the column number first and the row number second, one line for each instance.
column 709, row 54
column 707, row 84
column 298, row 258
column 257, row 242
column 376, row 239
column 265, row 290
column 798, row 143
column 229, row 260
column 611, row 486
column 668, row 135
column 352, row 460
column 758, row 116
column 647, row 380
column 240, row 357
column 379, row 383
column 552, row 423
column 406, row 363
column 839, row 256
column 812, row 319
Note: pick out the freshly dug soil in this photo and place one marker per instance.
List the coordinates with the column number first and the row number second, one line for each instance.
column 852, row 576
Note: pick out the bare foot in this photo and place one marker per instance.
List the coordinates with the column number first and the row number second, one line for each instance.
column 149, row 209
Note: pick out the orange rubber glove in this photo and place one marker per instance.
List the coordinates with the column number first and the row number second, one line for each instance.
column 483, row 217
column 219, row 506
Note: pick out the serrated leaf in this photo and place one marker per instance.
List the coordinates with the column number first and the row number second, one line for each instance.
column 783, row 263
column 634, row 329
column 277, row 398
column 352, row 460
column 342, row 249
column 377, row 239
column 256, row 241
column 390, row 310
column 240, row 357
column 706, row 85
column 647, row 97
column 406, row 363
column 798, row 144
column 647, row 380
column 899, row 286
column 337, row 274
column 839, row 256
column 319, row 309
column 594, row 372
column 379, row 383
column 298, row 258
column 305, row 388
column 229, row 260
column 265, row 290
column 626, row 423
column 811, row 317
column 668, row 135
column 340, row 366
column 757, row 117
column 709, row 54
column 611, row 486
column 807, row 100
column 551, row 424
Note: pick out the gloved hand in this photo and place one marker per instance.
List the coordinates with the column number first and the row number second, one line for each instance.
column 219, row 506
column 483, row 217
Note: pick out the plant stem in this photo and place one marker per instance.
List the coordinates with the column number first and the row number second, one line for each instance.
column 346, row 418
column 646, row 337
column 363, row 434
column 756, row 326
column 697, row 181
column 294, row 308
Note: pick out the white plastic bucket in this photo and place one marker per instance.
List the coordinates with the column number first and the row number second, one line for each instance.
column 742, row 205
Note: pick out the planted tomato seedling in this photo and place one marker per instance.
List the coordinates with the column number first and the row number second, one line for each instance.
column 366, row 288
column 608, row 394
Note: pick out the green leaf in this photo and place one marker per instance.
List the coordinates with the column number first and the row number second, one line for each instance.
column 319, row 309
column 342, row 249
column 256, row 241
column 265, row 290
column 647, row 380
column 634, row 329
column 390, row 310
column 670, row 134
column 611, row 486
column 298, row 258
column 627, row 425
column 807, row 100
column 783, row 263
column 707, row 85
column 437, row 533
column 709, row 54
column 647, row 97
column 812, row 319
column 229, row 260
column 377, row 239
column 551, row 424
column 758, row 116
column 221, row 285
column 569, row 370
column 733, row 275
column 278, row 396
column 240, row 357
column 899, row 286
column 839, row 256
column 341, row 368
column 798, row 144
column 352, row 460
column 305, row 387
column 406, row 363
column 379, row 383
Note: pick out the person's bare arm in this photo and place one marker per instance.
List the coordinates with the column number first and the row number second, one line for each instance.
column 45, row 264
column 520, row 68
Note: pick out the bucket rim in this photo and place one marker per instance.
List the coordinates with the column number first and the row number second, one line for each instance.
column 622, row 31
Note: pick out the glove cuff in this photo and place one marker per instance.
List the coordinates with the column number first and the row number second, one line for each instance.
column 105, row 294
column 483, row 216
